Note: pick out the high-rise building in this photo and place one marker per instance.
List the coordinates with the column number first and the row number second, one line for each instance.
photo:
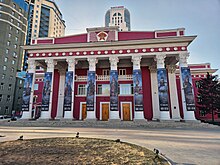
column 118, row 16
column 44, row 20
column 13, row 23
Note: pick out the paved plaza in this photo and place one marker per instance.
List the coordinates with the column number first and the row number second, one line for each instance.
column 182, row 143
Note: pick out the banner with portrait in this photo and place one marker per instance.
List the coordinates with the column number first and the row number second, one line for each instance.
column 163, row 89
column 188, row 88
column 90, row 91
column 114, row 90
column 46, row 91
column 27, row 91
column 138, row 91
column 68, row 88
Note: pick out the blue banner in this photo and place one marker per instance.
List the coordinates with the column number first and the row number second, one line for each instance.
column 46, row 91
column 188, row 88
column 138, row 91
column 114, row 90
column 90, row 91
column 163, row 89
column 68, row 91
column 27, row 91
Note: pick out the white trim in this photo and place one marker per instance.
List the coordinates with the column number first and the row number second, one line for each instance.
column 131, row 118
column 13, row 25
column 80, row 110
column 9, row 14
column 101, row 109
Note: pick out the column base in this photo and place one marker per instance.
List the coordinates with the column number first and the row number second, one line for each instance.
column 45, row 115
column 189, row 115
column 138, row 115
column 164, row 115
column 68, row 115
column 114, row 115
column 25, row 115
column 90, row 115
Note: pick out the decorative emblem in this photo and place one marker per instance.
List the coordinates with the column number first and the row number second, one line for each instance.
column 102, row 36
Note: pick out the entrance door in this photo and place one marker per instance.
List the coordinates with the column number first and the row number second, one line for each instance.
column 126, row 111
column 84, row 111
column 105, row 111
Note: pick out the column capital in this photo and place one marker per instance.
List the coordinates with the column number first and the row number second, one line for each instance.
column 171, row 68
column 183, row 58
column 31, row 64
column 153, row 68
column 50, row 63
column 71, row 63
column 159, row 58
column 136, row 59
column 92, row 63
column 114, row 62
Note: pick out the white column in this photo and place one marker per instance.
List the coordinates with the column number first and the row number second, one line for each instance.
column 114, row 66
column 71, row 67
column 61, row 94
column 188, row 115
column 160, row 58
column 31, row 69
column 50, row 68
column 154, row 92
column 136, row 60
column 92, row 67
column 173, row 93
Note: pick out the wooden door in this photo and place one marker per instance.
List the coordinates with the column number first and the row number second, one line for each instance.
column 126, row 111
column 84, row 111
column 105, row 112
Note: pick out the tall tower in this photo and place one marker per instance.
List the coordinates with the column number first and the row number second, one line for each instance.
column 13, row 23
column 118, row 16
column 44, row 20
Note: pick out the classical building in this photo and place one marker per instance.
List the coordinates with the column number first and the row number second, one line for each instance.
column 118, row 16
column 44, row 20
column 111, row 74
column 13, row 23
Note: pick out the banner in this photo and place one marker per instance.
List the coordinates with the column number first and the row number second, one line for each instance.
column 68, row 91
column 163, row 89
column 138, row 91
column 114, row 90
column 46, row 91
column 188, row 89
column 27, row 91
column 90, row 91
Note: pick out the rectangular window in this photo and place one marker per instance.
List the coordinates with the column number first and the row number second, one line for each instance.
column 105, row 72
column 36, row 87
column 8, row 43
column 6, row 59
column 1, row 98
column 103, row 89
column 12, row 69
column 3, row 76
column 126, row 89
column 15, row 46
column 9, row 35
column 2, row 86
column 7, row 51
column 82, row 89
column 13, row 62
column 9, row 87
column 122, row 71
column 16, row 38
column 4, row 67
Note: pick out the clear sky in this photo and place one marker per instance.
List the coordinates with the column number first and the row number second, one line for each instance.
column 198, row 17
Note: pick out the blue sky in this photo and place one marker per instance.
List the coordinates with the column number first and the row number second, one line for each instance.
column 198, row 17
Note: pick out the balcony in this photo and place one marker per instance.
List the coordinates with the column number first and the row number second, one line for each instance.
column 104, row 78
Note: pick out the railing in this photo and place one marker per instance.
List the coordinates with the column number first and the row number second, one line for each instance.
column 104, row 77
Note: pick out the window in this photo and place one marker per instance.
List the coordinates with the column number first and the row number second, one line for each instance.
column 19, row 17
column 2, row 86
column 11, row 77
column 13, row 13
column 36, row 87
column 14, row 6
column 126, row 89
column 3, row 76
column 15, row 46
column 12, row 20
column 1, row 97
column 20, row 10
column 10, row 27
column 7, row 51
column 7, row 110
column 15, row 54
column 105, row 72
column 103, row 89
column 82, row 89
column 16, row 38
column 18, row 24
column 4, row 67
column 6, row 59
column 8, row 43
column 9, row 35
column 122, row 71
column 13, row 62
column 20, row 81
column 9, row 87
column 17, row 31
column 12, row 69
